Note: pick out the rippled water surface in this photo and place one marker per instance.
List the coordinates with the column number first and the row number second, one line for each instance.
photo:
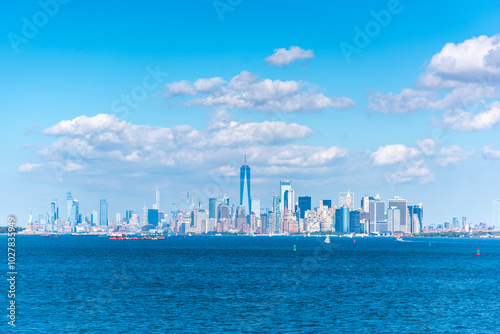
column 245, row 284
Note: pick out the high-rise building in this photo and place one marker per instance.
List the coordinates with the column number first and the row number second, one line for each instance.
column 496, row 214
column 103, row 212
column 377, row 215
column 286, row 200
column 326, row 202
column 276, row 213
column 118, row 217
column 394, row 219
column 347, row 199
column 245, row 187
column 344, row 218
column 255, row 202
column 418, row 218
column 455, row 222
column 75, row 212
column 305, row 205
column 212, row 207
column 354, row 222
column 69, row 204
column 365, row 203
column 402, row 205
column 153, row 217
column 53, row 211
column 240, row 216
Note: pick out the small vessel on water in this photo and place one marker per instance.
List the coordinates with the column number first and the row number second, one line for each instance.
column 399, row 239
column 327, row 239
column 50, row 235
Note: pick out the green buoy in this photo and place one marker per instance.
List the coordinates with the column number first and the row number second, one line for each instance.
column 294, row 247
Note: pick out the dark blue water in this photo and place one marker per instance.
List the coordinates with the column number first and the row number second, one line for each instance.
column 254, row 285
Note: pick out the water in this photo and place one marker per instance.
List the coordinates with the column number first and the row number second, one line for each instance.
column 255, row 285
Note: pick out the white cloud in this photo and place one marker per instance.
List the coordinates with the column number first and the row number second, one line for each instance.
column 247, row 92
column 28, row 167
column 407, row 101
column 106, row 137
column 453, row 155
column 469, row 71
column 467, row 121
column 283, row 56
column 427, row 146
column 489, row 153
column 474, row 60
column 390, row 154
column 409, row 171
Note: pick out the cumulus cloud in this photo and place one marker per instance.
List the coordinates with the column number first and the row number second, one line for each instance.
column 246, row 91
column 407, row 101
column 412, row 162
column 474, row 60
column 412, row 170
column 282, row 56
column 28, row 167
column 469, row 72
column 106, row 137
column 463, row 120
column 453, row 155
column 391, row 154
column 489, row 153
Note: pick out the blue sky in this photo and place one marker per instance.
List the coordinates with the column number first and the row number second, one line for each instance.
column 404, row 116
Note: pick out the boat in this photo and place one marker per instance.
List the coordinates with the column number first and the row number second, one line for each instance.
column 50, row 235
column 399, row 239
column 327, row 240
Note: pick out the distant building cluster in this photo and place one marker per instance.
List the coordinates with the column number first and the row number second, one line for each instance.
column 288, row 214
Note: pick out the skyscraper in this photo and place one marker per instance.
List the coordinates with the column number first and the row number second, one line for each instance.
column 276, row 213
column 286, row 200
column 418, row 218
column 255, row 202
column 377, row 214
column 153, row 217
column 103, row 212
column 69, row 204
column 365, row 203
column 326, row 202
column 402, row 205
column 212, row 204
column 393, row 219
column 347, row 199
column 245, row 187
column 75, row 212
column 344, row 218
column 305, row 205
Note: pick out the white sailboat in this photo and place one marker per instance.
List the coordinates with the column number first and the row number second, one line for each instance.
column 327, row 240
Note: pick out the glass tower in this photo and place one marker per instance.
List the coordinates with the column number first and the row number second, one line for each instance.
column 245, row 187
column 69, row 204
column 103, row 212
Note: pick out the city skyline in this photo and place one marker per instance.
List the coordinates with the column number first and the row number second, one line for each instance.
column 362, row 98
column 399, row 215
